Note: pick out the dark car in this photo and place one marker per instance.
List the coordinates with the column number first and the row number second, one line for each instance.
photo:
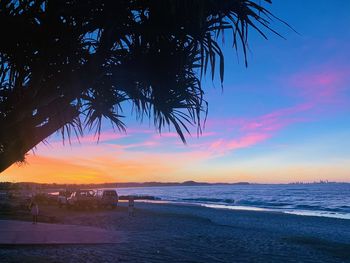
column 62, row 197
column 107, row 198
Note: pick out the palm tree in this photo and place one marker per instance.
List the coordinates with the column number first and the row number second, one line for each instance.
column 67, row 65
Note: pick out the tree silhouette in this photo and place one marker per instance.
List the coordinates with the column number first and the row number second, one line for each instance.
column 65, row 65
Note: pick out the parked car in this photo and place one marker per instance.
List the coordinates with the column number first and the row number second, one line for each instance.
column 62, row 197
column 82, row 198
column 107, row 198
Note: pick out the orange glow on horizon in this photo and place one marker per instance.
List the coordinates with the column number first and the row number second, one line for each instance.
column 101, row 170
column 42, row 169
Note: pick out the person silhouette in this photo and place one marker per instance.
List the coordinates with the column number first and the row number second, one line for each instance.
column 34, row 210
column 131, row 206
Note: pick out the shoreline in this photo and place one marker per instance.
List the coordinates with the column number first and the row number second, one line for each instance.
column 312, row 213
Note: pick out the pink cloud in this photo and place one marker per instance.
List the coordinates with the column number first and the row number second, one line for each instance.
column 175, row 135
column 104, row 136
column 88, row 139
column 245, row 141
column 321, row 86
column 135, row 130
column 166, row 135
column 310, row 79
column 254, row 130
column 275, row 120
column 269, row 122
column 148, row 143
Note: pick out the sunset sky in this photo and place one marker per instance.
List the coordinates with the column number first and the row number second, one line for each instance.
column 285, row 118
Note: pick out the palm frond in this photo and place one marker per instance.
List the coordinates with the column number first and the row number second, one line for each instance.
column 92, row 57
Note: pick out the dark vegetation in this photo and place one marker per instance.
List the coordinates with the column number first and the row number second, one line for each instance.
column 69, row 65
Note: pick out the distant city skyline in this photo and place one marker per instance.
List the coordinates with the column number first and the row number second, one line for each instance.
column 283, row 119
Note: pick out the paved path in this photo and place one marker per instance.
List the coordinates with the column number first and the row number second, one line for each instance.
column 25, row 233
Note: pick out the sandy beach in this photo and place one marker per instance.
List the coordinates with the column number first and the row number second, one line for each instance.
column 185, row 233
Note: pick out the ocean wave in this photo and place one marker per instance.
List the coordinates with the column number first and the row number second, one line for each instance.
column 310, row 207
column 139, row 197
column 326, row 200
column 262, row 203
column 210, row 200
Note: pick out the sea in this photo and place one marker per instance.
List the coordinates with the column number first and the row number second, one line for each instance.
column 323, row 199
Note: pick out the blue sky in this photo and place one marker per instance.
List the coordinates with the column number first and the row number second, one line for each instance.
column 284, row 118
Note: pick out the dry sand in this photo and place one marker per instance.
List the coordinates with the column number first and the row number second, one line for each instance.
column 178, row 233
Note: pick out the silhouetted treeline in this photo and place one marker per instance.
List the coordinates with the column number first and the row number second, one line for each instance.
column 29, row 186
column 9, row 186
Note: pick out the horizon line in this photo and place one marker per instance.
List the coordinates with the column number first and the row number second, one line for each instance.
column 183, row 182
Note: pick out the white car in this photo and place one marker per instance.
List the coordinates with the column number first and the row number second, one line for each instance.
column 82, row 198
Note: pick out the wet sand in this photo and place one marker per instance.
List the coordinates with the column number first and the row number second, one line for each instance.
column 178, row 233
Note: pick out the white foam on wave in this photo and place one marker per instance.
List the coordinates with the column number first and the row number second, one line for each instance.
column 257, row 209
column 293, row 212
column 318, row 213
column 237, row 207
